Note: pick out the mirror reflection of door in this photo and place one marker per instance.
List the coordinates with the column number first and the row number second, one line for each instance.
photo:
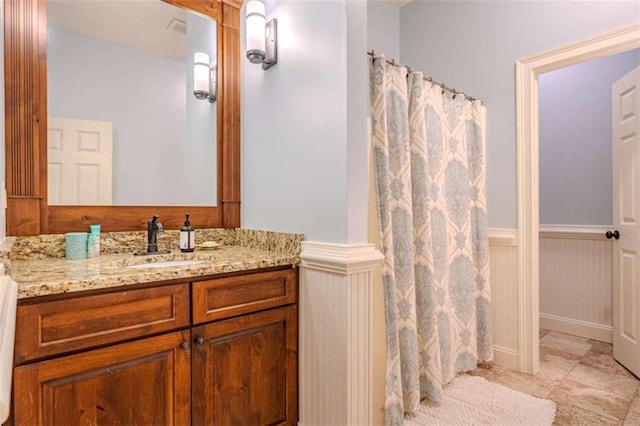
column 79, row 161
column 130, row 63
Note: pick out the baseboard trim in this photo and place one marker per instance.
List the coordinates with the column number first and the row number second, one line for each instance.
column 602, row 333
column 505, row 357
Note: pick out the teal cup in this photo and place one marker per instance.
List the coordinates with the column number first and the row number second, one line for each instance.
column 76, row 245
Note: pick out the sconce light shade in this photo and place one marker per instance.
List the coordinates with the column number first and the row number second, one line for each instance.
column 204, row 77
column 201, row 75
column 261, row 37
column 255, row 31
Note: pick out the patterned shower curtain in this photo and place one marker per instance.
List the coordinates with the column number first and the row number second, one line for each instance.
column 430, row 184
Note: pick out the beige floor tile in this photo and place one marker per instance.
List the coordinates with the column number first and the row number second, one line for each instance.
column 581, row 376
column 605, row 363
column 566, row 343
column 589, row 398
column 548, row 353
column 555, row 365
column 537, row 386
column 542, row 332
column 569, row 415
column 601, row 347
column 623, row 386
column 633, row 415
column 488, row 371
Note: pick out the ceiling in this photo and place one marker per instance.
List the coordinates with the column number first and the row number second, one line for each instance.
column 142, row 24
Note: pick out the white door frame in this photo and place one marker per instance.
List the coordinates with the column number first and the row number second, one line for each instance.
column 527, row 71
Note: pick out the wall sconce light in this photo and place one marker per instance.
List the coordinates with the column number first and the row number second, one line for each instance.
column 204, row 77
column 262, row 44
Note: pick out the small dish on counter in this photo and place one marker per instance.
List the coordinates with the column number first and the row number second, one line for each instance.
column 208, row 245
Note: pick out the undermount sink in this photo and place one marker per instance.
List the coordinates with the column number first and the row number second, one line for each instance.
column 166, row 264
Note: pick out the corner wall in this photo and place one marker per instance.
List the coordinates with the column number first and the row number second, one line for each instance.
column 383, row 36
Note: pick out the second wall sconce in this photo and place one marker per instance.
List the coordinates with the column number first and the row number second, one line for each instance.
column 204, row 77
column 262, row 44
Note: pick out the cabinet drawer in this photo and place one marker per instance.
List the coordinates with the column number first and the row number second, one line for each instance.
column 50, row 328
column 226, row 297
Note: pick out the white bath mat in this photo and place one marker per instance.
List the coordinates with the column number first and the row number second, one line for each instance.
column 471, row 400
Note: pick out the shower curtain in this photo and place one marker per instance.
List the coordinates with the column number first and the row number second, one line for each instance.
column 428, row 149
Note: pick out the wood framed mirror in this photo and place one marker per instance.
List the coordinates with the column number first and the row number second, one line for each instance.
column 28, row 211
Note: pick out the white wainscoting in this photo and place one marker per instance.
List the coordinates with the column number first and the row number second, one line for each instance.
column 576, row 281
column 335, row 343
column 336, row 316
column 503, row 259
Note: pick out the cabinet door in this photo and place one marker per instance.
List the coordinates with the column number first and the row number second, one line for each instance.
column 245, row 370
column 145, row 382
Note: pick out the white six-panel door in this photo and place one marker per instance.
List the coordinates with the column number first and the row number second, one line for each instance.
column 626, row 214
column 79, row 161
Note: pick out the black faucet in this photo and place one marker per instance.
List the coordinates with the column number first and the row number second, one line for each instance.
column 153, row 227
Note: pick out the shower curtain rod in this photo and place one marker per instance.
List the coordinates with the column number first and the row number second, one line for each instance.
column 429, row 79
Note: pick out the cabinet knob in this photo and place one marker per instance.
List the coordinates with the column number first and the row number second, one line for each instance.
column 200, row 341
column 184, row 346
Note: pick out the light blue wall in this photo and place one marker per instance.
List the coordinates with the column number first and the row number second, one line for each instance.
column 383, row 28
column 357, row 119
column 473, row 46
column 575, row 140
column 294, row 125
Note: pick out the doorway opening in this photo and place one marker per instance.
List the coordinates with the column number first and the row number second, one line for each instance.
column 527, row 72
column 576, row 206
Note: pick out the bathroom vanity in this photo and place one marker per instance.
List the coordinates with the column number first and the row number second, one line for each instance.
column 108, row 341
column 99, row 341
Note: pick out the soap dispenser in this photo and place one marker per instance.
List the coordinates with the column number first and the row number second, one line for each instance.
column 187, row 236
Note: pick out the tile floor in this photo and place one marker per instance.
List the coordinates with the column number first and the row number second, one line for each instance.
column 581, row 377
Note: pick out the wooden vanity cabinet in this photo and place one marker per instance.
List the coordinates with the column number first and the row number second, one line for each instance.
column 145, row 382
column 245, row 362
column 245, row 370
column 239, row 368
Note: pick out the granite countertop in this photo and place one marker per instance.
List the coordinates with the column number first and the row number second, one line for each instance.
column 40, row 277
column 244, row 250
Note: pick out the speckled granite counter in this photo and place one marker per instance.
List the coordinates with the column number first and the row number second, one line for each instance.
column 38, row 265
